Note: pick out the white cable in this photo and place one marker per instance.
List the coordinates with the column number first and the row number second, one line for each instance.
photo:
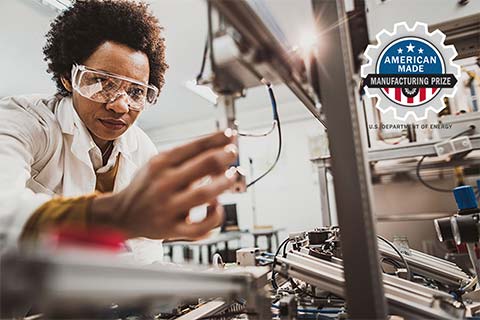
column 217, row 261
column 261, row 134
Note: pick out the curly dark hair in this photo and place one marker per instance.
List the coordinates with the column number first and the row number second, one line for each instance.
column 78, row 31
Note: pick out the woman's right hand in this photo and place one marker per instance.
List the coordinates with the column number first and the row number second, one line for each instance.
column 157, row 201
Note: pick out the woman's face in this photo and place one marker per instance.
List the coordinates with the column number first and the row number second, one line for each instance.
column 108, row 121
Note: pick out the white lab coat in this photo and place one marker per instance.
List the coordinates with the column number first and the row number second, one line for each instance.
column 46, row 150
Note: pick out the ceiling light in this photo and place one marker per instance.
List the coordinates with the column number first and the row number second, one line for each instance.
column 203, row 91
column 58, row 5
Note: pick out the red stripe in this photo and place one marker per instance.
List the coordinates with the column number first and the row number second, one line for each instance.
column 434, row 90
column 410, row 99
column 423, row 94
column 386, row 89
column 398, row 94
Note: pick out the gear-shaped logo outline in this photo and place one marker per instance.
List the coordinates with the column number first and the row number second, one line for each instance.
column 384, row 39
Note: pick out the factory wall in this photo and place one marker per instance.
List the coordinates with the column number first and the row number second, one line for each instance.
column 412, row 213
column 24, row 24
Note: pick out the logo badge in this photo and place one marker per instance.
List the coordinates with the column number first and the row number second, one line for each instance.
column 410, row 71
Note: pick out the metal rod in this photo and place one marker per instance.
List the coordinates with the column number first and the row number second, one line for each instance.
column 364, row 288
column 473, row 258
column 249, row 24
column 324, row 195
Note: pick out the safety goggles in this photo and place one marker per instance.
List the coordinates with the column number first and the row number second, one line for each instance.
column 105, row 87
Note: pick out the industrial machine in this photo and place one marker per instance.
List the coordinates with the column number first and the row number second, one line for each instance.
column 76, row 283
column 344, row 271
column 304, row 277
column 418, row 287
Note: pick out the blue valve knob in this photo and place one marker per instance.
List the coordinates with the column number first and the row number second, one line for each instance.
column 465, row 198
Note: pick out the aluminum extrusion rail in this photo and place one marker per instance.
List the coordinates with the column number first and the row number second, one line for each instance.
column 429, row 266
column 404, row 298
column 66, row 279
column 412, row 150
column 242, row 16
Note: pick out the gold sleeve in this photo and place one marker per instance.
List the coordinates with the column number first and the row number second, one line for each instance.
column 63, row 212
column 58, row 212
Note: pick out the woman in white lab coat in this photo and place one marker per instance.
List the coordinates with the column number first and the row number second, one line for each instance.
column 76, row 158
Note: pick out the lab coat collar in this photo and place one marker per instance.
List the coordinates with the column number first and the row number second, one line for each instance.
column 64, row 113
column 71, row 124
column 127, row 143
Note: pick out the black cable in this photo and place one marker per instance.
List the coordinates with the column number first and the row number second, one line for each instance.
column 419, row 177
column 284, row 253
column 279, row 130
column 391, row 261
column 419, row 163
column 204, row 60
column 402, row 257
column 303, row 291
column 274, row 263
column 294, row 284
column 210, row 36
column 470, row 128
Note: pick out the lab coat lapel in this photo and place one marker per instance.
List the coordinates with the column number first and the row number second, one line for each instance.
column 71, row 124
column 126, row 169
column 79, row 175
column 126, row 144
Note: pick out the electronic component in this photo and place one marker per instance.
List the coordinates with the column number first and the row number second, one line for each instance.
column 247, row 256
column 318, row 264
column 453, row 146
column 65, row 284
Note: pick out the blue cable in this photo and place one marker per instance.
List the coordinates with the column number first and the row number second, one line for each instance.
column 273, row 103
column 313, row 316
column 264, row 259
column 268, row 254
column 279, row 130
column 320, row 311
column 308, row 310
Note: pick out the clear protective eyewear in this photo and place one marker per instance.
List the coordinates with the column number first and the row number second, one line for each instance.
column 105, row 87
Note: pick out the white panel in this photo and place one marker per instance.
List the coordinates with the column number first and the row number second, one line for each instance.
column 384, row 14
column 23, row 24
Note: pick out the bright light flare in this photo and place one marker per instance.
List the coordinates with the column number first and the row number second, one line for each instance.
column 307, row 41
